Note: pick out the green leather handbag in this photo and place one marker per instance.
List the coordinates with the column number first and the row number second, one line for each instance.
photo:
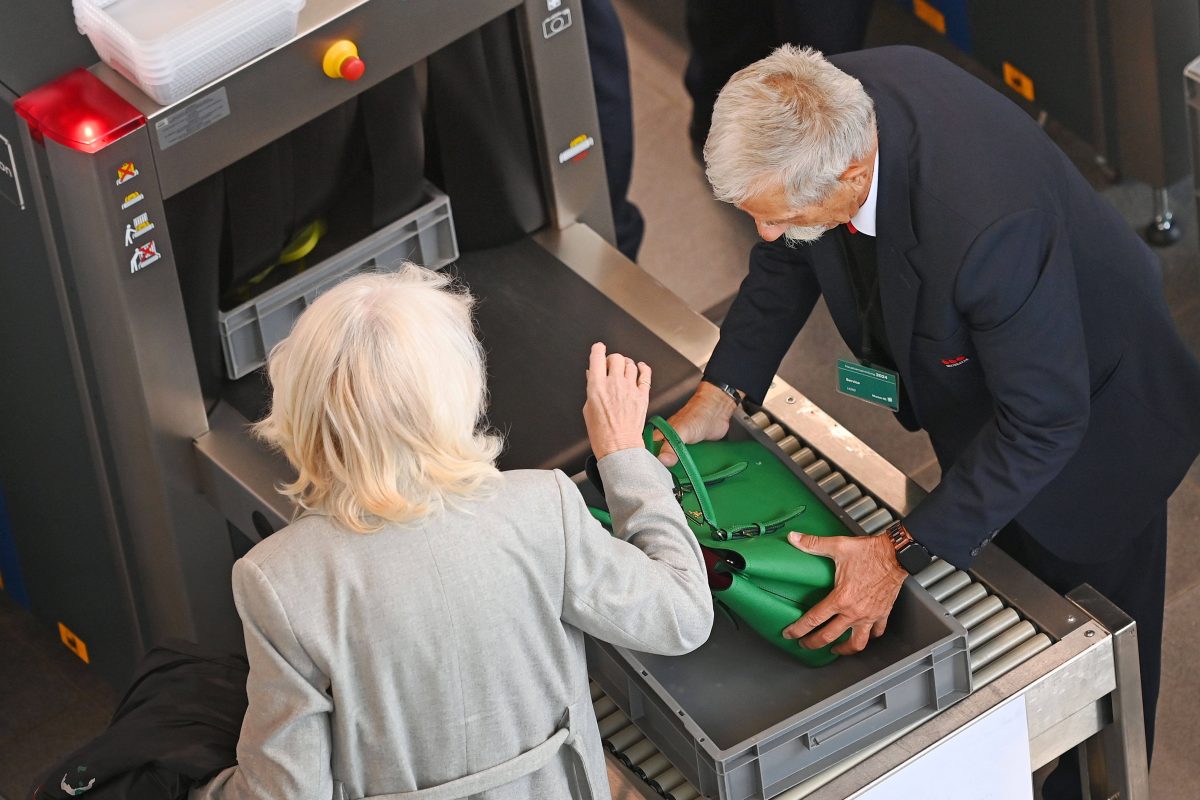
column 741, row 501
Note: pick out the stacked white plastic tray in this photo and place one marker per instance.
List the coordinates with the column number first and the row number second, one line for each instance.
column 170, row 48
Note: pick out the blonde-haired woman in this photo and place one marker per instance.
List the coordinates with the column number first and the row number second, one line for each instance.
column 417, row 632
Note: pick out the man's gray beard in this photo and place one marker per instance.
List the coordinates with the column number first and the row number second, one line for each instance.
column 803, row 234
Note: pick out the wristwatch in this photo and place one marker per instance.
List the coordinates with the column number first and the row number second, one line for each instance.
column 911, row 554
column 733, row 393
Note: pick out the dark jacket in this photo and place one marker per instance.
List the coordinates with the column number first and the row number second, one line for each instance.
column 1026, row 318
column 175, row 728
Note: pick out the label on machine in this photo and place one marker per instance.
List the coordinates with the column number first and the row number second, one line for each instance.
column 192, row 118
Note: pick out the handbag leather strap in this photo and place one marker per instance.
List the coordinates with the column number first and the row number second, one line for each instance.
column 689, row 467
column 698, row 484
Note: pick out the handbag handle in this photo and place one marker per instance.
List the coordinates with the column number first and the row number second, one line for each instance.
column 699, row 486
column 688, row 465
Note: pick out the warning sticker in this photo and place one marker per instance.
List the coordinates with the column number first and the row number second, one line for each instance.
column 132, row 199
column 143, row 256
column 1018, row 81
column 577, row 149
column 126, row 172
column 73, row 643
column 141, row 224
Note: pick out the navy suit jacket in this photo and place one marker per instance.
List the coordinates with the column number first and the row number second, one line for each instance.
column 1027, row 321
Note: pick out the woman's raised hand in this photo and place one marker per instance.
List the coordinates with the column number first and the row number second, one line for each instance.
column 618, row 394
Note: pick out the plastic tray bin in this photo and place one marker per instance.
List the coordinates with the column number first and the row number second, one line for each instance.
column 171, row 48
column 741, row 719
column 425, row 236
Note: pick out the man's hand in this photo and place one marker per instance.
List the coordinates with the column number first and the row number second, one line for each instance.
column 866, row 580
column 704, row 418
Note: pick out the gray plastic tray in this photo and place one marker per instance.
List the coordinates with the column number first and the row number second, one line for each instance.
column 424, row 236
column 740, row 719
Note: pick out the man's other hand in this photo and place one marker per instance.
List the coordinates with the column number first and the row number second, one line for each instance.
column 703, row 418
column 866, row 580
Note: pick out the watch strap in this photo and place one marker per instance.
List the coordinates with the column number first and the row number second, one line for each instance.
column 910, row 553
column 726, row 388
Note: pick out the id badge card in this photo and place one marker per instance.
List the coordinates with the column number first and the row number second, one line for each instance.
column 875, row 385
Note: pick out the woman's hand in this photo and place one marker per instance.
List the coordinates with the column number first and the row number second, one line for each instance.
column 618, row 394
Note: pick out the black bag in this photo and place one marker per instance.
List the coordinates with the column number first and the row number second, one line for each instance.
column 176, row 727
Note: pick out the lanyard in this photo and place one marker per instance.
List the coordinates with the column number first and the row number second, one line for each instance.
column 865, row 306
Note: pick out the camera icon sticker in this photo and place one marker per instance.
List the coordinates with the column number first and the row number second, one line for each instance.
column 556, row 23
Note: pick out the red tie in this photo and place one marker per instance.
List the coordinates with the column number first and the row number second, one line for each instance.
column 850, row 227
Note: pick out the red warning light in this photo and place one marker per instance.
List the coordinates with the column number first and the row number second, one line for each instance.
column 78, row 111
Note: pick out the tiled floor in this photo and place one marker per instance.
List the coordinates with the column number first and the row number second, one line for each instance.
column 51, row 703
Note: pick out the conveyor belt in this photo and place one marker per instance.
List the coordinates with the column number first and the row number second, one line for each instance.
column 537, row 320
column 998, row 637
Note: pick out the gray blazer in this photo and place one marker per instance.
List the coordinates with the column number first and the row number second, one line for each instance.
column 400, row 660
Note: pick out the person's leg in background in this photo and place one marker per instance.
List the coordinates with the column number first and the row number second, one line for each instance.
column 1135, row 581
column 829, row 27
column 727, row 35
column 724, row 35
column 614, row 102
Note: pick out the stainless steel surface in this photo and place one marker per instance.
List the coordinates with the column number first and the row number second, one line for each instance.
column 1116, row 760
column 630, row 287
column 285, row 87
column 1055, row 683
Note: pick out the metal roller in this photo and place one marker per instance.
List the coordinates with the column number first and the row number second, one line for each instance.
column 846, row 495
column 1013, row 659
column 612, row 723
column 949, row 585
column 775, row 431
column 625, row 737
column 670, row 779
column 804, row 456
column 832, row 482
column 876, row 520
column 937, row 570
column 1003, row 643
column 789, row 444
column 992, row 627
column 640, row 751
column 818, row 469
column 603, row 707
column 685, row 792
column 655, row 765
column 597, row 692
column 985, row 609
column 964, row 598
column 760, row 419
column 861, row 507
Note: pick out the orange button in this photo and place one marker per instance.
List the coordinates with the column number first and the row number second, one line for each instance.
column 341, row 61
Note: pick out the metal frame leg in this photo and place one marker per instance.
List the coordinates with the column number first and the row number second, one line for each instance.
column 1163, row 231
column 1115, row 758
